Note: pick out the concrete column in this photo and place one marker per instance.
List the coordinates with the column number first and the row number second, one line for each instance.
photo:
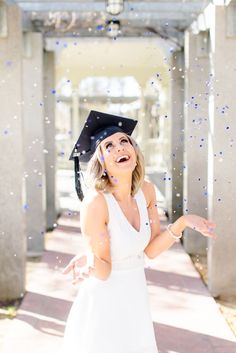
column 76, row 128
column 12, row 190
column 222, row 151
column 196, row 135
column 143, row 125
column 34, row 142
column 50, row 132
column 174, row 175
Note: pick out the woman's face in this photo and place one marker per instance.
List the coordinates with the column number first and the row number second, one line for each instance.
column 115, row 147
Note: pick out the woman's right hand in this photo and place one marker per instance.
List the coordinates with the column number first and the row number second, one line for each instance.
column 80, row 260
column 201, row 225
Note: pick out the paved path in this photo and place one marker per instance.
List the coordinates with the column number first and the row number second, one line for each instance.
column 185, row 316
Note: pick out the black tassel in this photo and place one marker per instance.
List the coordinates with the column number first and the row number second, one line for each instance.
column 77, row 179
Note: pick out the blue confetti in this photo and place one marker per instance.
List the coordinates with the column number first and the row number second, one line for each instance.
column 8, row 63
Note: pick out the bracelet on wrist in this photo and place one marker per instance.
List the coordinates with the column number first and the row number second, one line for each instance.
column 175, row 236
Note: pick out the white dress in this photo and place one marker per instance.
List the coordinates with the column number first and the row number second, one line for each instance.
column 113, row 315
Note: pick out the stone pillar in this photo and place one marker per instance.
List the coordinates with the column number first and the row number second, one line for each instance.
column 34, row 142
column 196, row 135
column 76, row 123
column 50, row 132
column 174, row 175
column 222, row 151
column 12, row 190
column 143, row 125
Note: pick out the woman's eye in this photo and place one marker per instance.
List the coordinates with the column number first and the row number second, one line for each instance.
column 109, row 144
column 124, row 140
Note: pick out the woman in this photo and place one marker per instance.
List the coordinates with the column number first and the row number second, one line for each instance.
column 119, row 219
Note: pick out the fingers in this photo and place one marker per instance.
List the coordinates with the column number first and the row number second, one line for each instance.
column 79, row 261
column 77, row 280
column 209, row 223
column 209, row 234
column 81, row 276
column 67, row 269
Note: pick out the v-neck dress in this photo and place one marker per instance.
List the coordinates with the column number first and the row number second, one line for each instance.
column 113, row 315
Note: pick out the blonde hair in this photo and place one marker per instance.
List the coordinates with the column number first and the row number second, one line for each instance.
column 98, row 179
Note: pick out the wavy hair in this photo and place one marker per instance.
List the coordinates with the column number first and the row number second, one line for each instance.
column 97, row 178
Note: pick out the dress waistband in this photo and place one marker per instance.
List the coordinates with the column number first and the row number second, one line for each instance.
column 128, row 263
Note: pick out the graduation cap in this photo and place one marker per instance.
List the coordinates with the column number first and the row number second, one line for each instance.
column 97, row 127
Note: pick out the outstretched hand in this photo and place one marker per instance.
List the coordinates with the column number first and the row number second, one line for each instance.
column 82, row 262
column 200, row 224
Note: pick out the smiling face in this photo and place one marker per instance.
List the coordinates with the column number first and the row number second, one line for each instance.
column 119, row 155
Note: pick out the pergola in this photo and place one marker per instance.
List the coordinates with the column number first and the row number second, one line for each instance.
column 199, row 124
column 166, row 19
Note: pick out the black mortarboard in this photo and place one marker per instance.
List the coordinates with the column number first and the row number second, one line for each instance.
column 97, row 127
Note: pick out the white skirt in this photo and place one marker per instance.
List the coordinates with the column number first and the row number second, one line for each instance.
column 111, row 316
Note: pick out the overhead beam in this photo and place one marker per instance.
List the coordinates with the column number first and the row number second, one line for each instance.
column 165, row 16
column 132, row 7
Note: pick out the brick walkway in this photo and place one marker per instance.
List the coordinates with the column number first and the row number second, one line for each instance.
column 186, row 318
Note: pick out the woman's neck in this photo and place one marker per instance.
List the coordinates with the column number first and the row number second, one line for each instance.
column 122, row 188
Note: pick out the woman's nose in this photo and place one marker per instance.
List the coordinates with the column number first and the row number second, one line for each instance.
column 119, row 147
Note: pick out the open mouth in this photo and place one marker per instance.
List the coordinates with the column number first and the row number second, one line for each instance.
column 123, row 159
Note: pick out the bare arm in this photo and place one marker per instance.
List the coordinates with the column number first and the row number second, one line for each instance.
column 93, row 226
column 160, row 242
column 164, row 240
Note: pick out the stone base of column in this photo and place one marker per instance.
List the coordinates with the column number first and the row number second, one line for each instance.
column 194, row 243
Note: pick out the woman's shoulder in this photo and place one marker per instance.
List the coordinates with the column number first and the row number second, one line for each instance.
column 95, row 199
column 94, row 196
column 93, row 213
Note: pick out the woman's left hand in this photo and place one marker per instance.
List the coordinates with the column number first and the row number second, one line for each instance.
column 200, row 224
column 82, row 261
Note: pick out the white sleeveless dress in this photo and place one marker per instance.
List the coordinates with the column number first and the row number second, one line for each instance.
column 113, row 315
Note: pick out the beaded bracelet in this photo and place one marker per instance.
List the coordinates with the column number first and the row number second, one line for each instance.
column 176, row 237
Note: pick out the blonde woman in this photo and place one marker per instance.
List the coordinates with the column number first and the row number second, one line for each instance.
column 119, row 219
